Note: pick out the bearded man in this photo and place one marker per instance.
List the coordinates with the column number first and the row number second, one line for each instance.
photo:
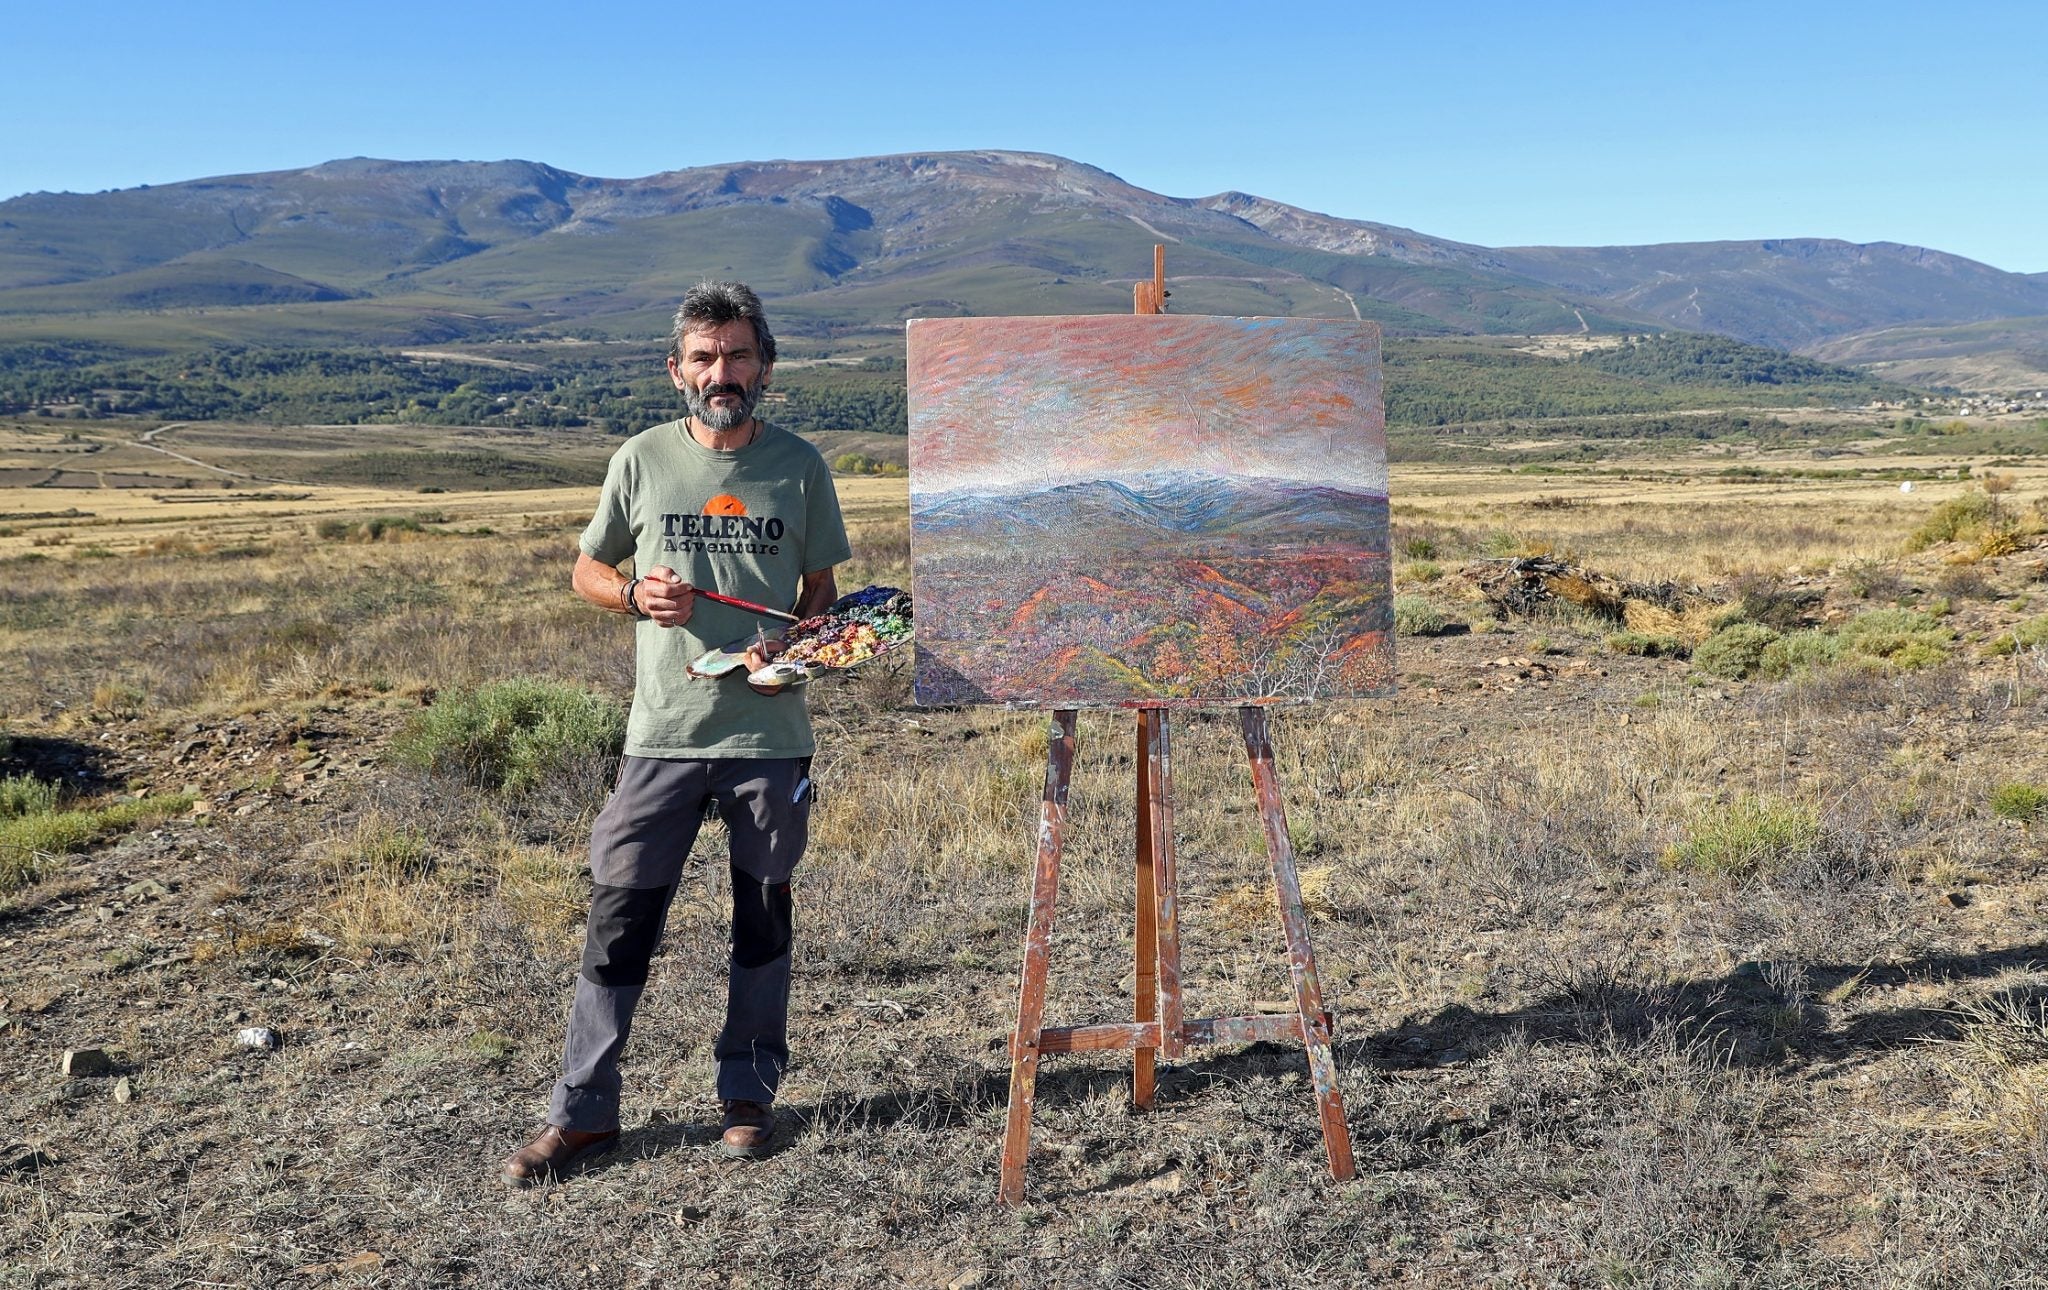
column 722, row 501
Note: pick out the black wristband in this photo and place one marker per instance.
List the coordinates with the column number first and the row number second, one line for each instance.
column 633, row 609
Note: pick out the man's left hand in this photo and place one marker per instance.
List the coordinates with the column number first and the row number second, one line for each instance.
column 762, row 652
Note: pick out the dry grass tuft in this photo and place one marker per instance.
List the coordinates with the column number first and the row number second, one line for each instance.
column 1998, row 1062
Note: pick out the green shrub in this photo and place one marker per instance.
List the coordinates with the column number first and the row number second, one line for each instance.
column 1956, row 518
column 1647, row 645
column 512, row 736
column 1895, row 638
column 1415, row 616
column 1734, row 652
column 1420, row 547
column 377, row 528
column 1421, row 571
column 26, row 795
column 331, row 530
column 1749, row 836
column 2019, row 802
column 1799, row 652
column 395, row 854
column 2026, row 635
column 30, row 839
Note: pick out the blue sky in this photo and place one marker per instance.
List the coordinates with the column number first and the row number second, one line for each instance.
column 1502, row 124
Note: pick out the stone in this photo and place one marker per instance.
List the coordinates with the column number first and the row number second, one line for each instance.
column 82, row 1063
column 124, row 1092
column 145, row 889
column 257, row 1039
column 1170, row 1183
column 969, row 1279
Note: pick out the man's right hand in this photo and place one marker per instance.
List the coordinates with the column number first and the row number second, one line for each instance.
column 665, row 597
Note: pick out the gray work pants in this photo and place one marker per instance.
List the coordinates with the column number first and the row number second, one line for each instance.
column 637, row 849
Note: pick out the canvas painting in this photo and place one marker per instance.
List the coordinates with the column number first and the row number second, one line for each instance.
column 1133, row 511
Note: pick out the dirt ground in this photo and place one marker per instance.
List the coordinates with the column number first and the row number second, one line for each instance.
column 1575, row 1048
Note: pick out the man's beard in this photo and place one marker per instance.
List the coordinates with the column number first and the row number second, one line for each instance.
column 720, row 420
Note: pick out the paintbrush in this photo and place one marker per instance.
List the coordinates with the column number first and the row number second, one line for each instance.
column 747, row 605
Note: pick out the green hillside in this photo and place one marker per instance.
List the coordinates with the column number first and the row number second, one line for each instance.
column 1430, row 382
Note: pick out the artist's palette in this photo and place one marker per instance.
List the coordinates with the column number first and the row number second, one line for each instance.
column 726, row 658
column 863, row 625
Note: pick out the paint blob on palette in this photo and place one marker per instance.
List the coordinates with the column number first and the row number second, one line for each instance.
column 862, row 625
column 1136, row 511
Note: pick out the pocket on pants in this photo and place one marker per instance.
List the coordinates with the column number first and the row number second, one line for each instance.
column 772, row 826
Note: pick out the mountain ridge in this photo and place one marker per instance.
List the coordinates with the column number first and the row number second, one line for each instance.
column 385, row 250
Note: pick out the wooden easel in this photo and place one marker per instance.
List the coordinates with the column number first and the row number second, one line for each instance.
column 1158, row 1027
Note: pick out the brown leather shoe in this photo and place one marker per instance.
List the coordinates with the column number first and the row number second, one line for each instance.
column 556, row 1152
column 749, row 1128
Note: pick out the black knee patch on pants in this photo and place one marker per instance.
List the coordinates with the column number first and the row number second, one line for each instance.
column 625, row 926
column 760, row 921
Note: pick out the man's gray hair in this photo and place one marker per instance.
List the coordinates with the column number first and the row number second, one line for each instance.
column 714, row 304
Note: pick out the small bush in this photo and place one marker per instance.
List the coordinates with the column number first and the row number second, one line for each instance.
column 1735, row 651
column 1751, row 835
column 1955, row 519
column 1415, row 616
column 1424, row 571
column 492, row 1046
column 1799, row 652
column 331, row 530
column 118, row 698
column 394, row 854
column 2026, row 635
column 512, row 736
column 1895, row 638
column 2023, row 802
column 1420, row 547
column 1874, row 580
column 26, row 795
column 1962, row 582
column 1647, row 645
column 30, row 839
column 1995, row 542
column 1761, row 598
column 384, row 526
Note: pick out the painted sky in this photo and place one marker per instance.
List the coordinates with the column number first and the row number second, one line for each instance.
column 1004, row 403
column 1507, row 124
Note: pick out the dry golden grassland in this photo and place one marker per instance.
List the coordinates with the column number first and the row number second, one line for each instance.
column 1649, row 970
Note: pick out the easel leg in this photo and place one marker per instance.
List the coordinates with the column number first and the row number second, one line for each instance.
column 1045, row 885
column 1159, row 790
column 1147, row 991
column 1301, row 960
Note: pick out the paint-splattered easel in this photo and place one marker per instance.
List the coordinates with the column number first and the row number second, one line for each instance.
column 1158, row 1028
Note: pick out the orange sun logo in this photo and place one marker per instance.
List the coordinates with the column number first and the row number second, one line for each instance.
column 725, row 504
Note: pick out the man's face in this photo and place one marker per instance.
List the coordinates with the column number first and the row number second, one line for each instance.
column 721, row 374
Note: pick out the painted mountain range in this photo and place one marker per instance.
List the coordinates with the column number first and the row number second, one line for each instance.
column 1140, row 511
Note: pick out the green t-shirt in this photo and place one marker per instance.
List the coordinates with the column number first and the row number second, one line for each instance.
column 748, row 523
